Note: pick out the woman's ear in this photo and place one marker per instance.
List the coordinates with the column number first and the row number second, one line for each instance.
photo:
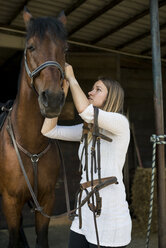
column 62, row 18
column 26, row 16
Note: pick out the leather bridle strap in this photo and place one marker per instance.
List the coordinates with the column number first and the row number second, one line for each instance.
column 34, row 159
column 11, row 133
column 40, row 68
column 95, row 134
column 36, row 203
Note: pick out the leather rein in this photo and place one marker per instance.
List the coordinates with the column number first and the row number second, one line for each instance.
column 35, row 159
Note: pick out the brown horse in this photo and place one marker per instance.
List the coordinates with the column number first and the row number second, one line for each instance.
column 40, row 95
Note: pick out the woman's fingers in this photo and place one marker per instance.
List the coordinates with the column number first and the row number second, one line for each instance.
column 69, row 73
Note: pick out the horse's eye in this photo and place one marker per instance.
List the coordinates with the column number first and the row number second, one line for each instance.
column 31, row 48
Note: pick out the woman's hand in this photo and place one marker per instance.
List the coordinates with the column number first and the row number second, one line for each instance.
column 80, row 100
column 69, row 73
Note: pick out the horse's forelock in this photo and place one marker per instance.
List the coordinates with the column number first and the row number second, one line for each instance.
column 39, row 26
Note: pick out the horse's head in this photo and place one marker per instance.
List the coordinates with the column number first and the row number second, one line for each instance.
column 44, row 57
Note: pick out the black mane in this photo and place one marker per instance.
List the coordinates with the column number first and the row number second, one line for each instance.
column 39, row 26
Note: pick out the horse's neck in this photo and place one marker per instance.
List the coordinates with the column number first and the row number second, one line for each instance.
column 27, row 119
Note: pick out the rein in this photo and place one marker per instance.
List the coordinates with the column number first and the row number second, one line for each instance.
column 32, row 156
column 34, row 73
column 96, row 184
column 34, row 159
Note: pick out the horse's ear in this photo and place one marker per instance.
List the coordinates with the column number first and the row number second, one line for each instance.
column 26, row 16
column 62, row 18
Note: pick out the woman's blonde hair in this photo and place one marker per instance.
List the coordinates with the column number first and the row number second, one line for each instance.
column 115, row 97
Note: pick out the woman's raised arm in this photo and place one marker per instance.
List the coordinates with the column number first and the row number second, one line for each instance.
column 80, row 100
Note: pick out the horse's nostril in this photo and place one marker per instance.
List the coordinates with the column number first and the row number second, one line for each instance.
column 44, row 96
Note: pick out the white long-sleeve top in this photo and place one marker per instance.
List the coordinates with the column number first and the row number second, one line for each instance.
column 114, row 223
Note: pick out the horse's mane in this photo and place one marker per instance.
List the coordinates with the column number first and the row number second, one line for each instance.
column 39, row 26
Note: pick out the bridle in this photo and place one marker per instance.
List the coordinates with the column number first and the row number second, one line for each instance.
column 34, row 73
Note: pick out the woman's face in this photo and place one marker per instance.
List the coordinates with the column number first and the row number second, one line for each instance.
column 98, row 94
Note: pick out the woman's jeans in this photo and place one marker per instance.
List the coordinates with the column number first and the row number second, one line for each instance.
column 77, row 240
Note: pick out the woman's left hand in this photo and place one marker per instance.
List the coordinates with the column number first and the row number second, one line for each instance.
column 69, row 73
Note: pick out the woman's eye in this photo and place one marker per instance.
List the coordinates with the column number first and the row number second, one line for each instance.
column 31, row 48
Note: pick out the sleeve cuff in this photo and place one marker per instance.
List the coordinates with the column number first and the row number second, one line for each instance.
column 50, row 134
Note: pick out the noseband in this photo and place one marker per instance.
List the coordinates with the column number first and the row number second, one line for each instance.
column 40, row 68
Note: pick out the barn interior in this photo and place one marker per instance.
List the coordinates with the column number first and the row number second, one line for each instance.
column 106, row 38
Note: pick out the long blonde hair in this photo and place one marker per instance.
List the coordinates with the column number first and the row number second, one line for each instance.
column 114, row 100
column 115, row 97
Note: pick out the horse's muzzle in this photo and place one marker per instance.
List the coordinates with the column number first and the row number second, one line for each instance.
column 51, row 103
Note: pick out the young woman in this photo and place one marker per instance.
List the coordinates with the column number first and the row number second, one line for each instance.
column 114, row 222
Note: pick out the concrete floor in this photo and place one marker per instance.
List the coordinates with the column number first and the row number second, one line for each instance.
column 59, row 232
